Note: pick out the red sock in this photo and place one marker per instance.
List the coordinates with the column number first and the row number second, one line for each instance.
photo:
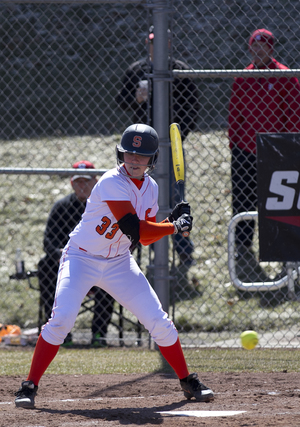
column 174, row 356
column 43, row 355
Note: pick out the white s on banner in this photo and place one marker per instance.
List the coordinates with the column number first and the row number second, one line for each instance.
column 278, row 188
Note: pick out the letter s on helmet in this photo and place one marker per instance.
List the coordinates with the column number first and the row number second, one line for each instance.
column 139, row 139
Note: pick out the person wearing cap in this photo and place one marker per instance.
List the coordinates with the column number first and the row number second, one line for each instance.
column 64, row 216
column 136, row 96
column 262, row 104
column 135, row 92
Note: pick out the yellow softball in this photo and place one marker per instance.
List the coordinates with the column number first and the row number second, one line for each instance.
column 249, row 339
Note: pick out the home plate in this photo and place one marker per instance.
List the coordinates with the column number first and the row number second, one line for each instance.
column 202, row 413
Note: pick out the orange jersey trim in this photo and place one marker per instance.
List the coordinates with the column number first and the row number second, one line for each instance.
column 120, row 208
column 150, row 230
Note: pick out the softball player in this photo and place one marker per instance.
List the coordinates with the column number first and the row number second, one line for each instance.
column 120, row 212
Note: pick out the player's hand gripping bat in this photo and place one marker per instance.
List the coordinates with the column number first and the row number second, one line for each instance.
column 178, row 162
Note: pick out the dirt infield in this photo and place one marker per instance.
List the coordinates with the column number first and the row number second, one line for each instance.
column 113, row 400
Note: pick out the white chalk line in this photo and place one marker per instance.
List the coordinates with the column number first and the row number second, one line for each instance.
column 202, row 414
column 95, row 399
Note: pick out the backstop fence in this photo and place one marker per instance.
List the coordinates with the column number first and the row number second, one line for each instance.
column 71, row 76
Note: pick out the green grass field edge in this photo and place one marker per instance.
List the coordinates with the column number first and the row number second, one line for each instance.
column 15, row 361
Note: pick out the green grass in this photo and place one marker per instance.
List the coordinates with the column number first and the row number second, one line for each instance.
column 128, row 361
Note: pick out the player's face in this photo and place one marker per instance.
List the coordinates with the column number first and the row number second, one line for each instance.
column 136, row 164
column 83, row 187
column 261, row 53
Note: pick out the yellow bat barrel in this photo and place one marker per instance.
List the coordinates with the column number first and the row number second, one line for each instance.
column 177, row 153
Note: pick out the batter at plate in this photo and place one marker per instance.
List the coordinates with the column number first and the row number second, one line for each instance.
column 120, row 212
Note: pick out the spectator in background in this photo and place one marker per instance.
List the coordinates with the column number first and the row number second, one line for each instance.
column 257, row 105
column 136, row 96
column 64, row 216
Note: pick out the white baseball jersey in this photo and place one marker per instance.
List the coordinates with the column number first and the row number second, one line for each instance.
column 98, row 232
column 97, row 254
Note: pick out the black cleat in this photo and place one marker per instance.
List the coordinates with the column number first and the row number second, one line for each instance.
column 192, row 387
column 25, row 395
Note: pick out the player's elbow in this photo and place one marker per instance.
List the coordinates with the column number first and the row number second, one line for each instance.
column 146, row 242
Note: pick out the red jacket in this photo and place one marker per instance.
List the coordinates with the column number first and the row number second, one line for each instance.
column 263, row 105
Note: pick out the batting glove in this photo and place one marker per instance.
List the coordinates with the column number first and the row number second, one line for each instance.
column 183, row 223
column 180, row 209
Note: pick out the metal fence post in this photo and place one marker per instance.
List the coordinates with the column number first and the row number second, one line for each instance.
column 161, row 124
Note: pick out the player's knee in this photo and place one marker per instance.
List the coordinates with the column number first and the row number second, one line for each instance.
column 164, row 332
column 57, row 328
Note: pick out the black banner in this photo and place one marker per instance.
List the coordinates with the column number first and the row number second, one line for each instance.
column 278, row 184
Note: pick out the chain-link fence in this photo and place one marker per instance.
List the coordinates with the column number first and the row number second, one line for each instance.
column 70, row 85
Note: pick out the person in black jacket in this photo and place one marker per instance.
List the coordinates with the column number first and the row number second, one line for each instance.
column 136, row 96
column 64, row 216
